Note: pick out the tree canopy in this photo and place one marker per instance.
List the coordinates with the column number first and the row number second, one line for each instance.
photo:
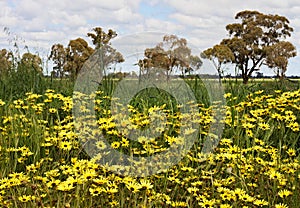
column 31, row 61
column 258, row 40
column 71, row 59
column 100, row 38
column 78, row 51
column 171, row 54
column 59, row 56
column 219, row 54
column 6, row 61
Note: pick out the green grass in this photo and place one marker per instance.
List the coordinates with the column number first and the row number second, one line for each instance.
column 43, row 162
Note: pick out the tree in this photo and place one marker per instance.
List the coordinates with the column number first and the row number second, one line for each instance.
column 252, row 41
column 6, row 62
column 194, row 64
column 77, row 52
column 71, row 59
column 171, row 54
column 219, row 55
column 59, row 57
column 101, row 40
column 30, row 62
column 278, row 55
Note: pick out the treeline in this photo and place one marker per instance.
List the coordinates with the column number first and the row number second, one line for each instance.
column 256, row 40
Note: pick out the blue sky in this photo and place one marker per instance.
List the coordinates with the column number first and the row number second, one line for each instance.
column 39, row 24
column 160, row 11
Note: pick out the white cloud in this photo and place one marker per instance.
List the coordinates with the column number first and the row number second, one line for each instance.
column 43, row 23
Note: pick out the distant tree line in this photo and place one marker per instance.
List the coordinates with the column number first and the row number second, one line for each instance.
column 257, row 40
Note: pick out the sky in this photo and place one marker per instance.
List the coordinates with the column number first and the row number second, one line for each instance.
column 39, row 24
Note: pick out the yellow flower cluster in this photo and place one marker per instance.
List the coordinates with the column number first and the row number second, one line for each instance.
column 47, row 160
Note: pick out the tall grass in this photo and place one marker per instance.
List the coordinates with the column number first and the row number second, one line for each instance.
column 256, row 160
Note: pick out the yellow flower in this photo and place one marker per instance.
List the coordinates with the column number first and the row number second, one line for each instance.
column 249, row 133
column 124, row 142
column 52, row 110
column 284, row 193
column 2, row 102
column 26, row 198
column 145, row 184
column 88, row 175
column 225, row 206
column 18, row 103
column 291, row 152
column 100, row 145
column 96, row 191
column 189, row 131
column 246, row 197
column 260, row 202
column 227, row 95
column 226, row 142
column 274, row 175
column 143, row 139
column 207, row 203
column 52, row 173
column 264, row 126
column 53, row 183
column 65, row 186
column 65, row 145
column 259, row 92
column 115, row 145
column 100, row 180
column 281, row 205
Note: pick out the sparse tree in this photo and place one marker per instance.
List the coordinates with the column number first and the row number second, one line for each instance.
column 171, row 54
column 59, row 57
column 278, row 55
column 106, row 53
column 100, row 38
column 219, row 55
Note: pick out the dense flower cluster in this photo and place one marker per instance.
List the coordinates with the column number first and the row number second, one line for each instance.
column 45, row 164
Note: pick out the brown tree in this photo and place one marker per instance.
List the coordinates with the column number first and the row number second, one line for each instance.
column 252, row 40
column 72, row 58
column 171, row 54
column 219, row 55
column 6, row 61
column 59, row 57
column 77, row 52
column 278, row 55
column 30, row 62
column 100, row 38
column 106, row 54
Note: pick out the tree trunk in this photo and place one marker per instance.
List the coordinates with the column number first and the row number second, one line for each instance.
column 245, row 79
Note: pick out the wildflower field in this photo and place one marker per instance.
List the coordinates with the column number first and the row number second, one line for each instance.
column 255, row 164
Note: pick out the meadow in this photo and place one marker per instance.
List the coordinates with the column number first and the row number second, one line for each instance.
column 44, row 163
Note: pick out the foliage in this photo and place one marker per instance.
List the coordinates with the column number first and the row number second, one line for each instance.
column 21, row 75
column 77, row 52
column 43, row 163
column 278, row 55
column 31, row 62
column 170, row 54
column 71, row 59
column 259, row 40
column 6, row 62
column 100, row 38
column 219, row 55
column 59, row 57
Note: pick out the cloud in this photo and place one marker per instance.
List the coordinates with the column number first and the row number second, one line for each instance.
column 43, row 23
